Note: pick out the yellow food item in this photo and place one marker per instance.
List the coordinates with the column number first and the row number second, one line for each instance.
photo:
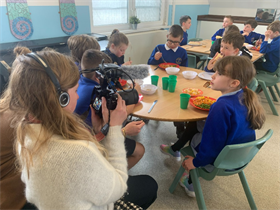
column 193, row 43
column 218, row 37
column 192, row 91
column 218, row 57
column 203, row 102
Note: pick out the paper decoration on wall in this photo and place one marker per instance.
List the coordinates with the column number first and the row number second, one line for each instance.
column 68, row 16
column 19, row 19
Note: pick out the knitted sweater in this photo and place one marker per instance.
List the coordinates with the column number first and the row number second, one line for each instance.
column 73, row 174
column 179, row 57
column 218, row 33
column 226, row 124
column 185, row 39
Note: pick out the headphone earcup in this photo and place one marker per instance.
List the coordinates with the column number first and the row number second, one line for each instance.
column 64, row 99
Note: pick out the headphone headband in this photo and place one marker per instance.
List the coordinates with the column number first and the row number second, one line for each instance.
column 63, row 97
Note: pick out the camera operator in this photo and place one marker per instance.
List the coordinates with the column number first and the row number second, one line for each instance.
column 90, row 60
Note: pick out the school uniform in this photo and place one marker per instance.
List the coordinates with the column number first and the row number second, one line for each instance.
column 272, row 54
column 252, row 37
column 185, row 39
column 115, row 59
column 230, row 127
column 220, row 32
column 177, row 55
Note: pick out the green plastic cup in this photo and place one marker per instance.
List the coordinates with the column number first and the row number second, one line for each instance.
column 165, row 81
column 184, row 100
column 154, row 79
column 213, row 42
column 172, row 85
column 173, row 77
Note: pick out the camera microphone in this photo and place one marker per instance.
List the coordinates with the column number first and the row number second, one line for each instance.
column 135, row 71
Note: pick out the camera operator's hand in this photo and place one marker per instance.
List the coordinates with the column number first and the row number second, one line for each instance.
column 118, row 115
column 97, row 122
column 133, row 128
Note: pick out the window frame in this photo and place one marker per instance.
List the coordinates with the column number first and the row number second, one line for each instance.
column 126, row 26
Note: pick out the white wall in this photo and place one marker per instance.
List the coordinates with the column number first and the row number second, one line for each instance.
column 142, row 44
column 240, row 7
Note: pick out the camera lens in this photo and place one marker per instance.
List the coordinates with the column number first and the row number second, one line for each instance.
column 130, row 97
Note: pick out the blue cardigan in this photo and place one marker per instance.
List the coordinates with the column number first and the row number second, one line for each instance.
column 185, row 39
column 218, row 33
column 179, row 57
column 272, row 54
column 226, row 124
column 253, row 36
column 85, row 89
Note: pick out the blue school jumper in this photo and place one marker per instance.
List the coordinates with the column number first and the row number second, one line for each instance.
column 84, row 91
column 116, row 60
column 226, row 124
column 179, row 57
column 272, row 54
column 218, row 33
column 253, row 36
column 185, row 39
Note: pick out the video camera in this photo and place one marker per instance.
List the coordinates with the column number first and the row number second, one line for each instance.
column 109, row 75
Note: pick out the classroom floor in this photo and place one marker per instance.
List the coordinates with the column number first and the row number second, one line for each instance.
column 223, row 192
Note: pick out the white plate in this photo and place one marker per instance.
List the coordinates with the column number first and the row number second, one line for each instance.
column 205, row 75
column 195, row 43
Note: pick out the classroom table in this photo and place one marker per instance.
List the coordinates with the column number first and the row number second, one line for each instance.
column 204, row 49
column 168, row 106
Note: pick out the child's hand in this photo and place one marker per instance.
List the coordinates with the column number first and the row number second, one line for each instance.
column 127, row 63
column 158, row 55
column 133, row 128
column 267, row 34
column 188, row 163
column 213, row 61
column 245, row 34
column 258, row 42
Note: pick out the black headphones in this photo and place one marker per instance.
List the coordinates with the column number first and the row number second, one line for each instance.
column 63, row 97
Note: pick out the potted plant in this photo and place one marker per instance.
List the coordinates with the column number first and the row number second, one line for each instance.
column 134, row 20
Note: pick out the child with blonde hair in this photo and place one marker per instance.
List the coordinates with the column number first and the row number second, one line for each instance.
column 117, row 45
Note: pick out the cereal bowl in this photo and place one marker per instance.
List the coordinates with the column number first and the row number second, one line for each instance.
column 189, row 74
column 148, row 89
column 172, row 70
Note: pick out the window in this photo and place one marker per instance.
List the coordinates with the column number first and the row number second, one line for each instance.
column 117, row 12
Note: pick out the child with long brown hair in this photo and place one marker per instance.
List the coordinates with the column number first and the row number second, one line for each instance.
column 232, row 119
column 63, row 165
column 117, row 45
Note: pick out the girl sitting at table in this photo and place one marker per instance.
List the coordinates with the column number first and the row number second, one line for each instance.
column 232, row 119
column 117, row 45
column 63, row 165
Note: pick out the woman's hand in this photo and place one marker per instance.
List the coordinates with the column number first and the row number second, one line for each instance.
column 158, row 55
column 188, row 163
column 118, row 115
column 133, row 128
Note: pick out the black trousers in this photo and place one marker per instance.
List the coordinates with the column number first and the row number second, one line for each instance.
column 29, row 206
column 142, row 190
column 189, row 132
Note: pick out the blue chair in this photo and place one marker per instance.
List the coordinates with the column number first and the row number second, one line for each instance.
column 203, row 58
column 233, row 159
column 192, row 61
column 253, row 84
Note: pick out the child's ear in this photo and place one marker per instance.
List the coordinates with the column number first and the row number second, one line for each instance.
column 235, row 83
column 253, row 29
column 236, row 51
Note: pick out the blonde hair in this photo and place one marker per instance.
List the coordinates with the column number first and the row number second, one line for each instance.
column 78, row 44
column 117, row 38
column 242, row 69
column 32, row 93
column 274, row 26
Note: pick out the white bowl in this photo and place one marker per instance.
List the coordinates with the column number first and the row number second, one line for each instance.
column 148, row 89
column 139, row 81
column 172, row 70
column 189, row 74
column 249, row 46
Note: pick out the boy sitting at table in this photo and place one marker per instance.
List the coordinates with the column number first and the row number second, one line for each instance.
column 230, row 45
column 88, row 80
column 185, row 22
column 251, row 37
column 272, row 49
column 170, row 52
column 228, row 20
